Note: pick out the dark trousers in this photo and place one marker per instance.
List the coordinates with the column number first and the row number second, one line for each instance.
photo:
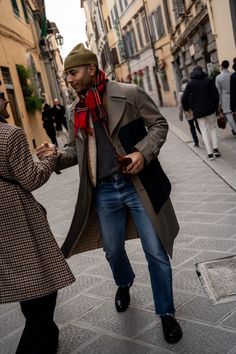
column 40, row 335
column 52, row 135
column 193, row 123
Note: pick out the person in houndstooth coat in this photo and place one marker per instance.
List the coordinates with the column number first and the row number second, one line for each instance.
column 32, row 267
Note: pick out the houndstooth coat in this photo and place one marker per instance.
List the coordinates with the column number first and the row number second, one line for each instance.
column 31, row 263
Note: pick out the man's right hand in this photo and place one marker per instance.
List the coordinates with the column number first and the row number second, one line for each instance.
column 46, row 150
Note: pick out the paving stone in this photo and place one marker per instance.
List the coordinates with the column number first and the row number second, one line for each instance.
column 182, row 197
column 74, row 308
column 224, row 189
column 9, row 344
column 127, row 324
column 6, row 308
column 182, row 255
column 81, row 262
column 220, row 197
column 183, row 206
column 207, row 230
column 104, row 270
column 230, row 321
column 204, row 256
column 232, row 211
column 199, row 217
column 11, row 322
column 179, row 300
column 200, row 308
column 140, row 295
column 212, row 244
column 197, row 339
column 181, row 241
column 81, row 284
column 110, row 345
column 215, row 207
column 187, row 281
column 73, row 337
column 228, row 220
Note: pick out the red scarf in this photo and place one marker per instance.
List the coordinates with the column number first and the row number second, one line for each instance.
column 91, row 104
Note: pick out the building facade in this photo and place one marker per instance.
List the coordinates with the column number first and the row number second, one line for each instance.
column 155, row 43
column 26, row 80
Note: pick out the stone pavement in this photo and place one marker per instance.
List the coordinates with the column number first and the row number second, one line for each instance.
column 206, row 208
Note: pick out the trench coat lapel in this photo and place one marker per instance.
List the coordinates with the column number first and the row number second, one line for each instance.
column 115, row 104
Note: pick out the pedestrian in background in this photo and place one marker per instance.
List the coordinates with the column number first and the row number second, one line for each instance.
column 223, row 86
column 233, row 92
column 115, row 135
column 193, row 124
column 202, row 92
column 32, row 267
column 59, row 116
column 49, row 124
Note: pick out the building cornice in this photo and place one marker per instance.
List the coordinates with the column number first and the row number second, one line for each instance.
column 9, row 33
column 192, row 26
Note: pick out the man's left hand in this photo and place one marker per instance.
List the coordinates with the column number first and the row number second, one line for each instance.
column 137, row 163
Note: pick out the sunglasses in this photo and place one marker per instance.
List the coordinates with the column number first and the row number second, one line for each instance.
column 2, row 96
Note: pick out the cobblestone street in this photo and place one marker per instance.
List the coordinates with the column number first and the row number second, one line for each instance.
column 205, row 202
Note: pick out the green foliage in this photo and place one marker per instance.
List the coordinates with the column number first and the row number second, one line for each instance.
column 32, row 103
column 214, row 72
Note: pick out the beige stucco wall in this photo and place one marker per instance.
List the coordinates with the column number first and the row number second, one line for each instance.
column 16, row 42
column 221, row 24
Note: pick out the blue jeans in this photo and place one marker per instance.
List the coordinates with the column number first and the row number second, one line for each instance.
column 114, row 197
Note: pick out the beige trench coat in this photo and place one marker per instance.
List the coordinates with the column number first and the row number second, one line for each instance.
column 31, row 263
column 124, row 103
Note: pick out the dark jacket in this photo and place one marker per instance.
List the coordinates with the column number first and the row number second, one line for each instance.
column 203, row 93
column 233, row 92
column 48, row 120
column 59, row 115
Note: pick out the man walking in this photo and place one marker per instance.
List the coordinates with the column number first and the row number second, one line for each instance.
column 233, row 92
column 115, row 135
column 59, row 116
column 204, row 103
column 223, row 86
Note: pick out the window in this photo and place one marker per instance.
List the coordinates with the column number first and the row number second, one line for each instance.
column 6, row 75
column 15, row 7
column 115, row 12
column 159, row 23
column 25, row 11
column 109, row 22
column 156, row 22
column 233, row 15
column 140, row 37
column 129, row 45
column 133, row 38
column 179, row 7
column 112, row 18
column 167, row 15
column 145, row 29
column 121, row 6
column 153, row 26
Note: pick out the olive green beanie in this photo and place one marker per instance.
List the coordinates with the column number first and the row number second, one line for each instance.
column 80, row 56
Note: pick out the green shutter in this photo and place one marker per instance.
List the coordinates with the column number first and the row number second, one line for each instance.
column 15, row 7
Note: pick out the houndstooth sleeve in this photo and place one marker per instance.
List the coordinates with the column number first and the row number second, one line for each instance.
column 31, row 175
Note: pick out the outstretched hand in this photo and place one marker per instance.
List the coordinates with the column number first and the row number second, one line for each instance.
column 46, row 150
